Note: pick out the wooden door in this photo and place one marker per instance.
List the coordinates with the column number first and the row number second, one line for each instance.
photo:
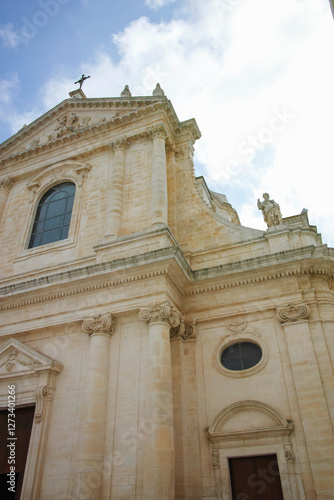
column 23, row 425
column 255, row 478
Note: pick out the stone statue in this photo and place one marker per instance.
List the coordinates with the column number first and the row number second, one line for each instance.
column 81, row 80
column 270, row 210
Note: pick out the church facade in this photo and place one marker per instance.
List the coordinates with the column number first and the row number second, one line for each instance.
column 152, row 347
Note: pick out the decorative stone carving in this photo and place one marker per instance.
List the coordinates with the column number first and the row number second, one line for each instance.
column 35, row 142
column 6, row 184
column 240, row 328
column 158, row 131
column 288, row 451
column 215, row 459
column 185, row 331
column 99, row 323
column 40, row 393
column 69, row 170
column 293, row 313
column 69, row 124
column 271, row 211
column 126, row 92
column 158, row 92
column 120, row 144
column 13, row 358
column 163, row 312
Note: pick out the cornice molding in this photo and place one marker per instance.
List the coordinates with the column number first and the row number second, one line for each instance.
column 193, row 278
column 119, row 121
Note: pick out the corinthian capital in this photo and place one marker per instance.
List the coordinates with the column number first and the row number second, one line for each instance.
column 159, row 130
column 6, row 184
column 293, row 313
column 163, row 312
column 99, row 323
column 120, row 144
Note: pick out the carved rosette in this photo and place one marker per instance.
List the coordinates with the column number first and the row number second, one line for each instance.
column 6, row 184
column 99, row 324
column 163, row 312
column 293, row 313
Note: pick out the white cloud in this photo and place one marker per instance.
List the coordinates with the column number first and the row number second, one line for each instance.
column 8, row 87
column 156, row 4
column 10, row 38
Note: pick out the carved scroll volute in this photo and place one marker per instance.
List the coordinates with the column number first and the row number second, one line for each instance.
column 40, row 396
column 162, row 312
column 185, row 331
column 293, row 313
column 99, row 324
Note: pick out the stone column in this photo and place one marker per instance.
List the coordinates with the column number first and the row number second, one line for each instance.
column 92, row 439
column 311, row 397
column 116, row 193
column 188, row 473
column 159, row 463
column 159, row 204
column 5, row 186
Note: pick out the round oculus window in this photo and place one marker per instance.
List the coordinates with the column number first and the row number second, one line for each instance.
column 241, row 356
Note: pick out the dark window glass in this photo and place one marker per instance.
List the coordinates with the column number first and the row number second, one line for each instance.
column 241, row 356
column 53, row 215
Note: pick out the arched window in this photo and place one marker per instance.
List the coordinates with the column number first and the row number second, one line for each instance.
column 53, row 215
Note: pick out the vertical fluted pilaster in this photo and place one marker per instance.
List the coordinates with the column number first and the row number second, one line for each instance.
column 159, row 464
column 310, row 395
column 92, row 440
column 5, row 186
column 159, row 176
column 116, row 193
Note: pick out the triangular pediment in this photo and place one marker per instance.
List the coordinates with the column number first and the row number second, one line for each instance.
column 74, row 116
column 17, row 358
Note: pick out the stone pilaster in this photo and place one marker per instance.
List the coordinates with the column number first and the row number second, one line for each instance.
column 310, row 396
column 92, row 440
column 116, row 194
column 159, row 465
column 5, row 186
column 188, row 474
column 159, row 204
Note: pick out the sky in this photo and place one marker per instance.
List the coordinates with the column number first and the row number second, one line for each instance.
column 257, row 75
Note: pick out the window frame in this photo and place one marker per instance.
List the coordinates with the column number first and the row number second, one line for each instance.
column 38, row 205
column 65, row 171
column 229, row 341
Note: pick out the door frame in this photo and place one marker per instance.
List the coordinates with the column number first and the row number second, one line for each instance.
column 273, row 439
column 34, row 377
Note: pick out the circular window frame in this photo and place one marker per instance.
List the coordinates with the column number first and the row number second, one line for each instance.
column 241, row 373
